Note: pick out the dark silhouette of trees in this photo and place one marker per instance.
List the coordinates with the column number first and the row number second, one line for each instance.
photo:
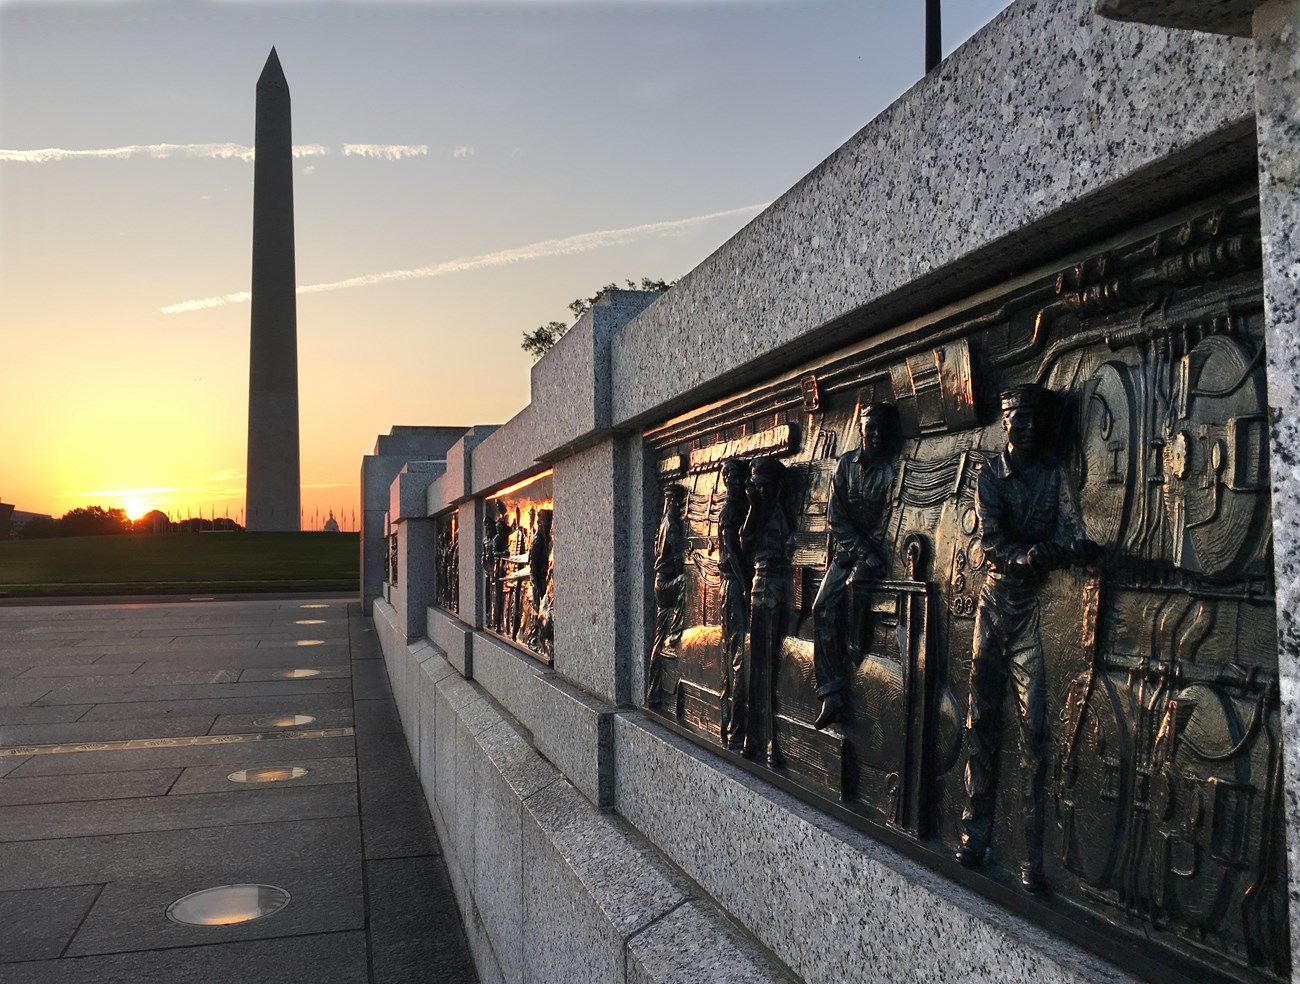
column 540, row 340
column 93, row 521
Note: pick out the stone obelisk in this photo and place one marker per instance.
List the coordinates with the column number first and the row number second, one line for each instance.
column 272, row 493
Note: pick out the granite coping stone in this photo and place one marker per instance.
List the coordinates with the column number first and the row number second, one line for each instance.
column 693, row 944
column 570, row 384
column 408, row 492
column 509, row 453
column 453, row 637
column 498, row 870
column 1018, row 131
column 456, row 483
column 1215, row 16
column 569, row 727
column 589, row 884
column 785, row 871
column 629, row 882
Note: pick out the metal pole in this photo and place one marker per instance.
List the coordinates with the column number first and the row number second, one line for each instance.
column 933, row 35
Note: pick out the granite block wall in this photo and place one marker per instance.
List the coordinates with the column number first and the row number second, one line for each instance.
column 586, row 842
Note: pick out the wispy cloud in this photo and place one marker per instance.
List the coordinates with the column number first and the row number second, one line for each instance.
column 212, row 151
column 582, row 243
column 124, row 492
column 387, row 152
column 463, row 151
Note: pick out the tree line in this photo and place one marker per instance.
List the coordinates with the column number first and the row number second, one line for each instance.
column 97, row 521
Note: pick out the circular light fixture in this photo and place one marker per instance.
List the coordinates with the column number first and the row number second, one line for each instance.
column 283, row 721
column 227, row 905
column 271, row 773
column 297, row 674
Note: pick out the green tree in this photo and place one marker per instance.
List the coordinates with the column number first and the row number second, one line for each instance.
column 93, row 521
column 540, row 340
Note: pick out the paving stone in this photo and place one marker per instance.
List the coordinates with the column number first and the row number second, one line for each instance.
column 91, row 731
column 216, row 779
column 376, row 717
column 245, row 753
column 332, row 671
column 296, row 704
column 339, row 958
column 369, row 680
column 62, row 669
column 240, row 724
column 415, row 929
column 42, row 715
column 39, row 922
column 203, row 855
column 112, row 695
column 395, row 822
column 130, row 913
column 19, row 823
column 15, row 790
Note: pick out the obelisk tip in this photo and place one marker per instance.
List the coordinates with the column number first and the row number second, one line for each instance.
column 272, row 73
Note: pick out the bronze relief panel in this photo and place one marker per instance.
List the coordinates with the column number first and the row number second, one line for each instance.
column 446, row 534
column 517, row 538
column 999, row 588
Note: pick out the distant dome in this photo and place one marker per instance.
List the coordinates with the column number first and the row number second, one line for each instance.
column 331, row 524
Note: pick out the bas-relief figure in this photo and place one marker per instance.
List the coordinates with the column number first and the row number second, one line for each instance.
column 1028, row 526
column 1054, row 512
column 447, row 544
column 856, row 514
column 517, row 548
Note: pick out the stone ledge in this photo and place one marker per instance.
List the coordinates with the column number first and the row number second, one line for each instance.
column 1017, row 132
column 572, row 729
column 452, row 636
column 550, row 888
column 693, row 944
column 786, row 872
column 1214, row 16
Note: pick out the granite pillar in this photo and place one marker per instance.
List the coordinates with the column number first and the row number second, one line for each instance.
column 1277, row 107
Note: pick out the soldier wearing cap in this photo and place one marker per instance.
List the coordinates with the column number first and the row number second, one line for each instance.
column 1028, row 525
column 856, row 514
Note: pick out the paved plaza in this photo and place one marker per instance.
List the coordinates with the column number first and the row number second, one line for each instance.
column 121, row 726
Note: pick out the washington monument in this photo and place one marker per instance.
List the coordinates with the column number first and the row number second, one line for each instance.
column 272, row 493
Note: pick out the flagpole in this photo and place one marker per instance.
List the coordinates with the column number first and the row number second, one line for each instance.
column 933, row 35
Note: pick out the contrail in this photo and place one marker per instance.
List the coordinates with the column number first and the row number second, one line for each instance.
column 581, row 243
column 216, row 151
column 387, row 152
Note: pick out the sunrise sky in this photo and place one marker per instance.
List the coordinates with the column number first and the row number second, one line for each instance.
column 464, row 170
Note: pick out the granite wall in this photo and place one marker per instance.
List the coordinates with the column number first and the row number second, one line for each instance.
column 587, row 842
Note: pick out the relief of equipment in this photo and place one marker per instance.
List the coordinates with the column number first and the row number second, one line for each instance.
column 1110, row 450
column 935, row 390
column 1216, row 482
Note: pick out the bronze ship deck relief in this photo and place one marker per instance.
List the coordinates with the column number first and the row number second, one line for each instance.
column 997, row 586
column 517, row 535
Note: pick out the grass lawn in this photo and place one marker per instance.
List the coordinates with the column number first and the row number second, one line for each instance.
column 134, row 563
